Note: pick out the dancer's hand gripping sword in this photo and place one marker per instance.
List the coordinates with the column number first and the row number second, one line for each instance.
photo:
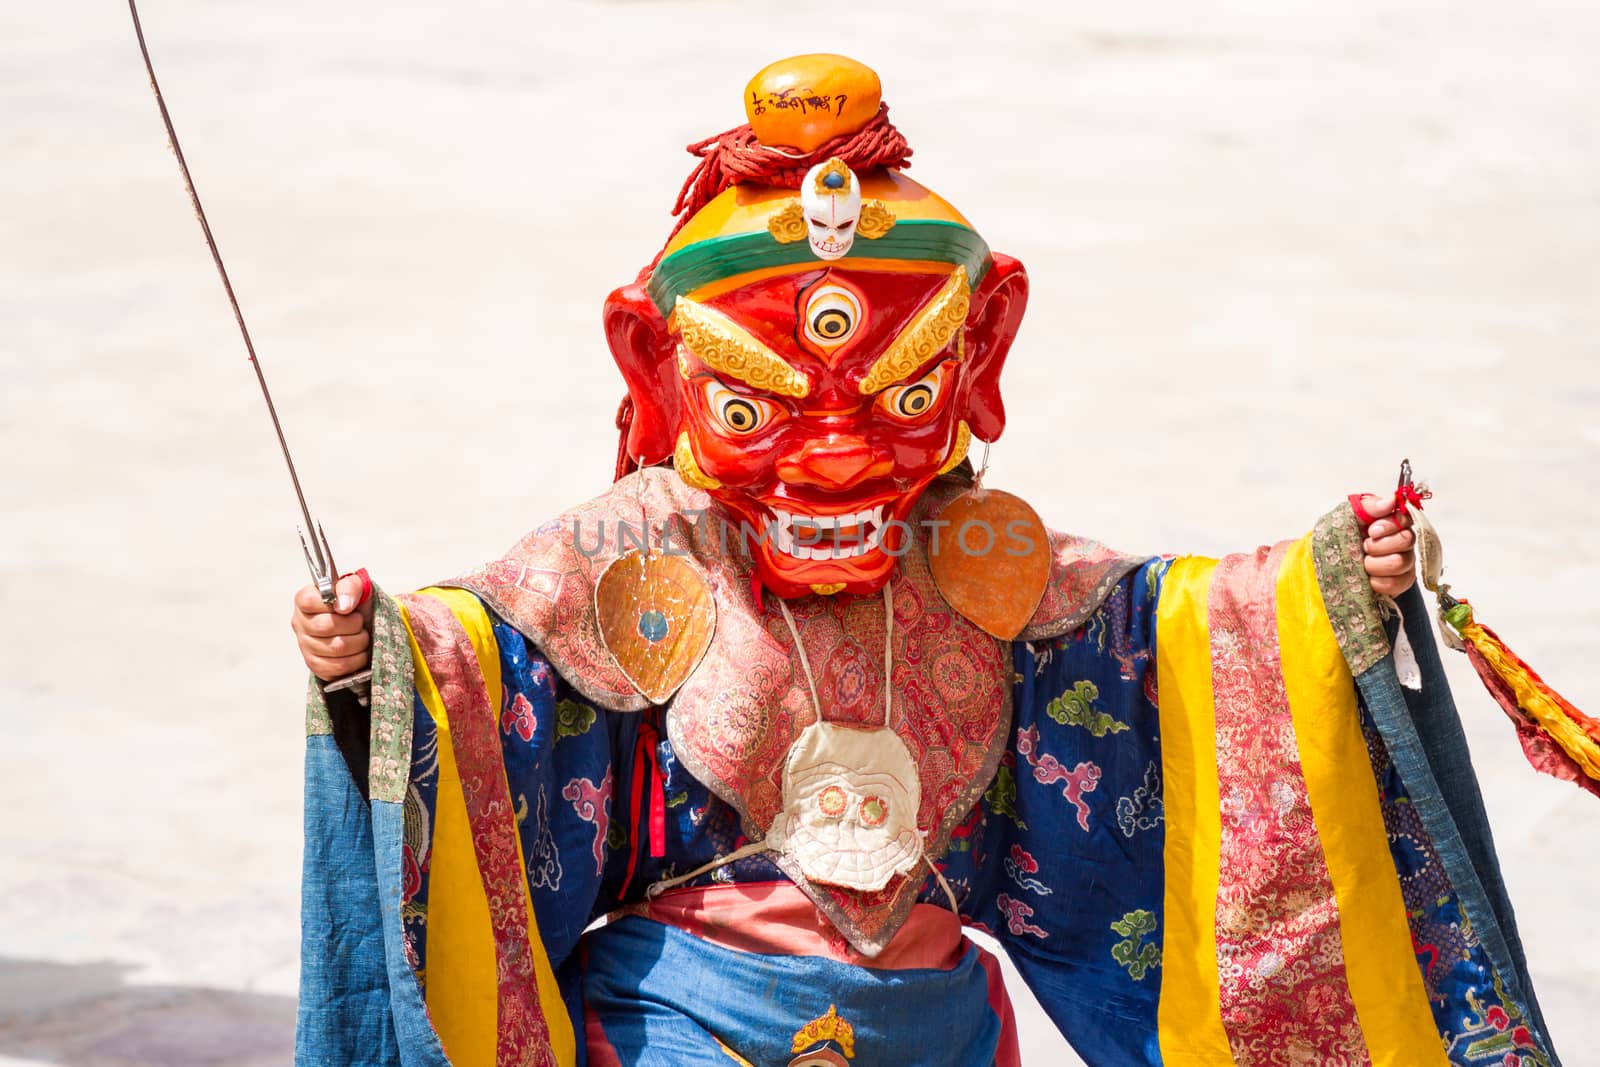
column 319, row 556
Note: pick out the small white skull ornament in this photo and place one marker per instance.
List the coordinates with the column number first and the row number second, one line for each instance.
column 851, row 798
column 830, row 196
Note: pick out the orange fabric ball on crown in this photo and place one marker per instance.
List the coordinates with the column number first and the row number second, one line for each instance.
column 806, row 101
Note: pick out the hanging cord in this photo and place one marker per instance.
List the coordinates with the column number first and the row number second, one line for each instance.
column 949, row 894
column 888, row 652
column 1405, row 657
column 805, row 665
column 624, row 424
column 888, row 706
column 644, row 510
column 749, row 849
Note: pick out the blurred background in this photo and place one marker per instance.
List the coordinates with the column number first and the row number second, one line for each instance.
column 1275, row 248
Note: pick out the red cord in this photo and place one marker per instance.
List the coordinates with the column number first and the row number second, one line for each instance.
column 1410, row 494
column 625, row 464
column 1363, row 516
column 366, row 585
column 736, row 157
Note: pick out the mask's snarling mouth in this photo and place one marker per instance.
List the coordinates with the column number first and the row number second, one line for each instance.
column 824, row 537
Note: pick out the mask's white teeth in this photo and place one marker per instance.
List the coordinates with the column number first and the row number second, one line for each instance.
column 808, row 537
column 781, row 537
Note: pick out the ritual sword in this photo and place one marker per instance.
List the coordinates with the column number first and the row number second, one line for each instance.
column 319, row 556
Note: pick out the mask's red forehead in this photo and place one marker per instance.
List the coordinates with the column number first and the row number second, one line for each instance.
column 835, row 320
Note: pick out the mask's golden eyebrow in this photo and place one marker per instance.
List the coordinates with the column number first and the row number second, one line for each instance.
column 925, row 336
column 728, row 348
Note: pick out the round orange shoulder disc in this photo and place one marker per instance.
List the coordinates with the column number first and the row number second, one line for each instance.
column 656, row 618
column 992, row 562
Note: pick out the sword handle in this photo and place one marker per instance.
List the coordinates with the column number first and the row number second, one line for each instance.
column 319, row 561
column 325, row 573
column 360, row 683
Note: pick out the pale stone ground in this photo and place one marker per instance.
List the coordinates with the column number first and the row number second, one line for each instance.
column 1274, row 249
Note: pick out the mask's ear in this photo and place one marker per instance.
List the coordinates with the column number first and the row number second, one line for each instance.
column 644, row 351
column 992, row 323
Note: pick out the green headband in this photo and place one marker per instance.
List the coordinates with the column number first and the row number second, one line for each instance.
column 704, row 262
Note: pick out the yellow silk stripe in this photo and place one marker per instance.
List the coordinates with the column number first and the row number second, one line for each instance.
column 461, row 981
column 1380, row 968
column 1189, row 1016
column 470, row 613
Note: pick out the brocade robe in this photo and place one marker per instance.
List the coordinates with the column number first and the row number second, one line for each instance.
column 1201, row 816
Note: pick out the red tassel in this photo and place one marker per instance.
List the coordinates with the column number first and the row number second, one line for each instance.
column 658, row 805
column 645, row 763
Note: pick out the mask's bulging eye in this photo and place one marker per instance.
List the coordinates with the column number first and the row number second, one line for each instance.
column 832, row 315
column 831, row 323
column 917, row 399
column 914, row 400
column 736, row 413
column 740, row 415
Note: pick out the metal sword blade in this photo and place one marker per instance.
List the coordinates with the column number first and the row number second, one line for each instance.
column 319, row 558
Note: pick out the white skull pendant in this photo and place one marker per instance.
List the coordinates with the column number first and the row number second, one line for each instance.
column 830, row 196
column 851, row 798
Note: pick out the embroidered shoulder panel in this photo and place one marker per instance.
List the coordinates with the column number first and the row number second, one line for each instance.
column 1082, row 574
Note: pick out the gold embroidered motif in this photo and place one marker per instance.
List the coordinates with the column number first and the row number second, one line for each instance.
column 688, row 467
column 940, row 319
column 724, row 345
column 788, row 225
column 959, row 452
column 829, row 1027
column 876, row 220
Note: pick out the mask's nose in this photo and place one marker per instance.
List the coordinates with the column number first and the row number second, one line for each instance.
column 837, row 461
